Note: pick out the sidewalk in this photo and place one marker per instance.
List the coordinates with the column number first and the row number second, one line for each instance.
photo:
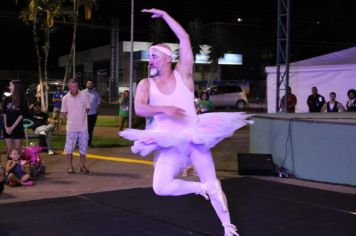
column 112, row 175
column 108, row 175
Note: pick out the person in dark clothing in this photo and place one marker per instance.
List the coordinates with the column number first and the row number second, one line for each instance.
column 292, row 101
column 351, row 103
column 315, row 101
column 41, row 125
column 332, row 105
column 57, row 101
column 94, row 102
column 14, row 109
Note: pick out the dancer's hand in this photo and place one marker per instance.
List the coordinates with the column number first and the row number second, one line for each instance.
column 156, row 13
column 175, row 112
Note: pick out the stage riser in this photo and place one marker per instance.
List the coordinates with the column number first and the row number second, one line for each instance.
column 321, row 151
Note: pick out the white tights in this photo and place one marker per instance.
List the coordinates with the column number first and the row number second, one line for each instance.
column 170, row 163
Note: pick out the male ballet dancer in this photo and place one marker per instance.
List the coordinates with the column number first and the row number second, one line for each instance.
column 176, row 133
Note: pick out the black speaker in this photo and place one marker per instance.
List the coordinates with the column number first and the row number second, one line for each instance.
column 255, row 164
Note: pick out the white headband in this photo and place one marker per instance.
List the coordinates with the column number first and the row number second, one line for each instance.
column 164, row 50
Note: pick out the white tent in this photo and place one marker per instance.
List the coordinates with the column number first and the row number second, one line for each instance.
column 333, row 72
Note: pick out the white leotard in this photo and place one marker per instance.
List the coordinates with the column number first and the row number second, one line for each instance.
column 181, row 97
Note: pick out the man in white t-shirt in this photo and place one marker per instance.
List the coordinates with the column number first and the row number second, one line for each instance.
column 75, row 107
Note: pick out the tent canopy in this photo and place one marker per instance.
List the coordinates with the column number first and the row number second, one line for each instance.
column 333, row 72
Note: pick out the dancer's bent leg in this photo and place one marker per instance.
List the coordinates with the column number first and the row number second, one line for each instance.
column 168, row 165
column 204, row 165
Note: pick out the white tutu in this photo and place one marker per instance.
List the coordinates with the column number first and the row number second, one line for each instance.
column 210, row 130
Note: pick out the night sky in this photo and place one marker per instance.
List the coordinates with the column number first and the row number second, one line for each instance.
column 317, row 26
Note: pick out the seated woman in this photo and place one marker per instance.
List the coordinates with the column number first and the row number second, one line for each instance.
column 204, row 104
column 42, row 124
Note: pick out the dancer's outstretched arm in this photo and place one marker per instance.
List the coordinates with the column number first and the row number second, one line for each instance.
column 186, row 58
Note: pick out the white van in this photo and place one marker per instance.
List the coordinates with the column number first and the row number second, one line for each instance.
column 227, row 95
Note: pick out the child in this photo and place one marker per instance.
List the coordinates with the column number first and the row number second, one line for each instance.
column 15, row 173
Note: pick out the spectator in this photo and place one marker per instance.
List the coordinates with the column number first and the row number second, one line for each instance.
column 315, row 101
column 351, row 103
column 14, row 109
column 124, row 110
column 94, row 102
column 292, row 102
column 1, row 122
column 333, row 105
column 42, row 125
column 41, row 89
column 204, row 104
column 196, row 99
column 75, row 107
column 57, row 102
column 15, row 174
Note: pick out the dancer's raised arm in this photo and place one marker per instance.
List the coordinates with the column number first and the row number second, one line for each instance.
column 186, row 58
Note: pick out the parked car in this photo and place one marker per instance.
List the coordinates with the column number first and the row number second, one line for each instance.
column 52, row 88
column 227, row 95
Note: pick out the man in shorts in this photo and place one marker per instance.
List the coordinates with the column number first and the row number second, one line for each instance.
column 75, row 106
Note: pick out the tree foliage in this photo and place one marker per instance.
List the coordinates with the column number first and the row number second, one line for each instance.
column 41, row 15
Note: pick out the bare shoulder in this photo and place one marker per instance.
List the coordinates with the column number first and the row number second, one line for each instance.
column 143, row 89
column 144, row 84
column 142, row 92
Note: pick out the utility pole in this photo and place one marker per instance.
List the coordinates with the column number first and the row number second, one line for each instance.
column 115, row 57
column 131, row 63
column 283, row 47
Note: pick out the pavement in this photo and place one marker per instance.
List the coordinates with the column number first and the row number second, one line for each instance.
column 257, row 207
column 117, row 168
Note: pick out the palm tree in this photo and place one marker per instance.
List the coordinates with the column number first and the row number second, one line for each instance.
column 52, row 10
column 196, row 36
column 41, row 15
column 217, row 41
column 29, row 16
column 158, row 32
column 88, row 9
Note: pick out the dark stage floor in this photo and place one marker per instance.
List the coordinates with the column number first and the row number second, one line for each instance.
column 257, row 207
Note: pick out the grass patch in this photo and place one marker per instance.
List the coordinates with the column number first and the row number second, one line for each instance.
column 107, row 121
column 99, row 142
column 113, row 121
column 102, row 121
